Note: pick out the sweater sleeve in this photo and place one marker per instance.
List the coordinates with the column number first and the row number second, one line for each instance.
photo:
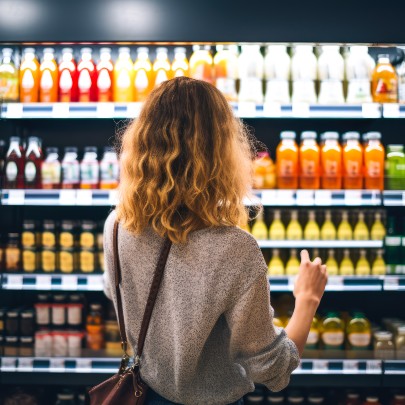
column 264, row 351
column 108, row 280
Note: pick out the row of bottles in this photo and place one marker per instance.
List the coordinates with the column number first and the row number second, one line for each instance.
column 395, row 245
column 125, row 80
column 311, row 225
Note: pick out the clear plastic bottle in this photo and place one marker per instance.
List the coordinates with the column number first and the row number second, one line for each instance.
column 48, row 82
column 287, row 155
column 352, row 161
column 51, row 169
column 226, row 70
column 14, row 164
column 180, row 63
column 363, row 266
column 87, row 77
column 143, row 75
column 201, row 63
column 374, row 160
column 70, row 169
column 331, row 161
column 123, row 90
column 105, row 70
column 384, row 84
column 33, row 162
column 29, row 77
column 310, row 161
column 67, row 77
column 8, row 77
column 161, row 66
column 89, row 169
column 109, row 169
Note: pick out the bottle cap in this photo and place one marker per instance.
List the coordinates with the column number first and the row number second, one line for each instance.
column 329, row 48
column 276, row 48
column 105, row 50
column 330, row 135
column 29, row 50
column 108, row 149
column 371, row 135
column 90, row 149
column 7, row 51
column 143, row 49
column 51, row 149
column 49, row 50
column 161, row 49
column 309, row 135
column 123, row 49
column 351, row 135
column 67, row 50
column 383, row 335
column 179, row 49
column 196, row 48
column 15, row 139
column 372, row 399
column 288, row 135
column 86, row 50
column 207, row 47
column 70, row 149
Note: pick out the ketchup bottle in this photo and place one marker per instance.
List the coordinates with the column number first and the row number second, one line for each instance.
column 33, row 162
column 14, row 164
column 87, row 77
column 105, row 76
column 67, row 77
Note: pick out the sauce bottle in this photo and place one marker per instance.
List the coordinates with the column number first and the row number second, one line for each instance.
column 259, row 228
column 200, row 65
column 89, row 169
column 87, row 77
column 309, row 158
column 70, row 169
column 294, row 229
column 123, row 77
column 360, row 231
column 276, row 265
column 180, row 63
column 331, row 263
column 48, row 254
column 33, row 162
column 374, row 160
column 161, row 67
column 226, row 70
column 363, row 266
column 51, row 169
column 14, row 164
column 251, row 73
column 331, row 161
column 8, row 77
column 29, row 77
column 384, row 82
column 352, row 161
column 377, row 229
column 292, row 266
column 143, row 75
column 109, row 169
column 105, row 70
column 333, row 329
column 287, row 161
column 67, row 77
column 95, row 328
column 48, row 82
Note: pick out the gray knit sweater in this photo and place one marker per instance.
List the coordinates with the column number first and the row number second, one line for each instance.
column 211, row 335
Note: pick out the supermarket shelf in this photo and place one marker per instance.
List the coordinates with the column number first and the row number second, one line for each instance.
column 394, row 283
column 394, row 373
column 393, row 110
column 321, row 244
column 394, row 198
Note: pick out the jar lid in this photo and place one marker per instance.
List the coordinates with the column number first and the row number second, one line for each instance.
column 95, row 307
column 67, row 225
column 12, row 313
column 372, row 399
column 11, row 339
column 27, row 314
column 13, row 235
column 28, row 224
column 26, row 339
column 309, row 135
column 43, row 297
column 288, row 135
column 383, row 335
column 49, row 224
column 88, row 225
column 75, row 298
column 51, row 149
column 59, row 298
column 330, row 135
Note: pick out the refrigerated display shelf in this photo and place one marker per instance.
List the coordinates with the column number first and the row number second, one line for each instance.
column 394, row 198
column 393, row 110
column 321, row 244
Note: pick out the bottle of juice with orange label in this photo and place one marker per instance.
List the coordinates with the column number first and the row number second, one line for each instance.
column 143, row 75
column 29, row 77
column 374, row 155
column 201, row 63
column 87, row 81
column 384, row 82
column 105, row 76
column 180, row 63
column 48, row 83
column 226, row 70
column 67, row 77
column 309, row 157
column 287, row 161
column 352, row 161
column 161, row 66
column 123, row 77
column 331, row 161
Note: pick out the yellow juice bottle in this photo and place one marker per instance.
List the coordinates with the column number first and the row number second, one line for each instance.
column 331, row 263
column 360, row 230
column 346, row 265
column 276, row 265
column 377, row 229
column 293, row 265
column 379, row 267
column 333, row 332
column 344, row 231
column 314, row 335
column 363, row 266
column 180, row 63
column 328, row 230
column 143, row 75
column 259, row 228
column 312, row 231
column 161, row 66
column 277, row 228
column 358, row 332
column 123, row 77
column 294, row 229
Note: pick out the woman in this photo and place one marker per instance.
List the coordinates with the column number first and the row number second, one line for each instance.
column 186, row 166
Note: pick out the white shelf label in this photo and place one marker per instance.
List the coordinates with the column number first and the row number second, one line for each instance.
column 60, row 110
column 67, row 197
column 16, row 197
column 269, row 197
column 113, row 197
column 373, row 366
column 370, row 110
column 335, row 283
column 246, row 109
column 305, row 197
column 353, row 197
column 57, row 365
column 133, row 110
column 391, row 110
column 291, row 283
column 350, row 366
column 300, row 110
column 44, row 282
column 320, row 366
column 83, row 365
column 14, row 280
column 285, row 197
column 272, row 109
column 323, row 197
column 8, row 363
column 84, row 197
column 105, row 110
column 14, row 110
column 69, row 282
column 25, row 364
column 391, row 283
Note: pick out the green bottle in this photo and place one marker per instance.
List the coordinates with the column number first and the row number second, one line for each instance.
column 393, row 248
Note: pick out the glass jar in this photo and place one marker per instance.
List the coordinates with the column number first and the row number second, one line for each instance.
column 74, row 310
column 67, row 234
column 67, row 260
column 384, row 348
column 48, row 260
column 13, row 253
column 27, row 323
column 400, row 342
column 11, row 346
column 59, row 310
column 43, row 311
column 26, row 346
column 49, row 234
column 88, row 235
column 29, row 235
column 12, row 324
column 30, row 260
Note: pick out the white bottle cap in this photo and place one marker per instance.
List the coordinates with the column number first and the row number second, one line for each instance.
column 288, row 135
column 309, row 135
column 123, row 49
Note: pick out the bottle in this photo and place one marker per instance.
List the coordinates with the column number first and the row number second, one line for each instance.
column 276, row 265
column 333, row 329
column 374, row 160
column 384, row 84
column 346, row 265
column 201, row 63
column 28, row 244
column 395, row 167
column 352, row 161
column 352, row 398
column 344, row 231
column 2, row 165
column 48, row 242
column 68, row 77
column 33, row 162
column 226, row 70
column 360, row 230
column 89, row 169
column 309, row 158
column 161, row 66
column 378, row 267
column 358, row 332
column 277, row 228
column 401, row 79
column 363, row 266
column 95, row 328
column 314, row 335
column 259, row 228
column 331, row 161
column 12, row 253
column 29, row 77
column 123, row 91
column 287, row 161
column 87, row 77
column 70, row 169
column 48, row 78
column 293, row 264
column 180, row 63
column 109, row 169
column 294, row 229
column 331, row 263
column 371, row 400
column 105, row 70
column 328, row 230
column 143, row 75
column 14, row 164
column 51, row 169
column 8, row 77
column 393, row 247
column 277, row 72
column 312, row 231
column 66, row 398
column 264, row 172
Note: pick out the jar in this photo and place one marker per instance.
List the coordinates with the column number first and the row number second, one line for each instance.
column 49, row 234
column 74, row 342
column 87, row 261
column 12, row 323
column 59, row 344
column 30, row 260
column 383, row 345
column 43, row 310
column 74, row 311
column 43, row 344
column 59, row 310
column 400, row 342
column 67, row 260
column 13, row 253
column 48, row 259
column 27, row 322
column 88, row 235
column 67, row 234
column 29, row 236
column 112, row 338
column 11, row 346
column 26, row 346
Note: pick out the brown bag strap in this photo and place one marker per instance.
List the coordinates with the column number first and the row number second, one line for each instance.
column 154, row 289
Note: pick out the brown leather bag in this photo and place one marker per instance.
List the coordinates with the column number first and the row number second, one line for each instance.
column 127, row 387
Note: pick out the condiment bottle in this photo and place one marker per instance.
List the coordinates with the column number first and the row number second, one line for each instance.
column 14, row 164
column 13, row 253
column 384, row 347
column 33, row 162
column 358, row 332
column 95, row 328
column 51, row 169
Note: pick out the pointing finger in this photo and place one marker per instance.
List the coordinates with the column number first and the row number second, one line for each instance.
column 305, row 256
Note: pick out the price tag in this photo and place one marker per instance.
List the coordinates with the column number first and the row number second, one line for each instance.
column 391, row 283
column 350, row 366
column 105, row 110
column 391, row 110
column 353, row 197
column 370, row 110
column 305, row 197
column 247, row 109
column 134, row 110
column 285, row 197
column 301, row 110
column 16, row 197
column 57, row 365
column 14, row 110
column 44, row 282
column 67, row 197
column 323, row 197
column 373, row 367
column 83, row 365
column 335, row 283
column 25, row 364
column 320, row 366
column 291, row 283
column 84, row 197
column 113, row 197
column 269, row 197
column 95, row 282
column 8, row 364
column 60, row 110
column 272, row 110
column 69, row 282
column 14, row 281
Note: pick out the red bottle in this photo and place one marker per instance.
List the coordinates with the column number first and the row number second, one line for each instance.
column 87, row 77
column 33, row 161
column 105, row 76
column 14, row 164
column 67, row 77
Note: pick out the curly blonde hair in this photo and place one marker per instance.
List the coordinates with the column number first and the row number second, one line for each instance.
column 186, row 162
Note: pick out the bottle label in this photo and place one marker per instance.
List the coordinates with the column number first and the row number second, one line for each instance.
column 393, row 241
column 29, row 260
column 28, row 239
column 46, row 82
column 361, row 340
column 123, row 80
column 109, row 171
column 12, row 258
column 11, row 171
column 104, row 80
column 313, row 338
column 27, row 82
column 66, row 261
column 308, row 168
column 330, row 168
column 71, row 173
column 48, row 261
column 141, row 80
column 286, row 168
column 66, row 239
column 87, row 260
column 161, row 77
column 87, row 240
column 65, row 81
column 50, row 173
column 333, row 338
column 387, row 88
column 89, row 172
column 352, row 168
column 30, row 171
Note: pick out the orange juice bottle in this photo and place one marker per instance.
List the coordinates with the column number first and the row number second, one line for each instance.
column 352, row 161
column 310, row 161
column 331, row 161
column 123, row 91
column 143, row 75
column 105, row 70
column 384, row 81
column 29, row 77
column 374, row 155
column 287, row 161
column 48, row 83
column 201, row 63
column 180, row 63
column 226, row 70
column 161, row 66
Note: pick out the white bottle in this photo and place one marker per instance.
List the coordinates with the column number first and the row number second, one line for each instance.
column 401, row 79
column 251, row 72
column 277, row 71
